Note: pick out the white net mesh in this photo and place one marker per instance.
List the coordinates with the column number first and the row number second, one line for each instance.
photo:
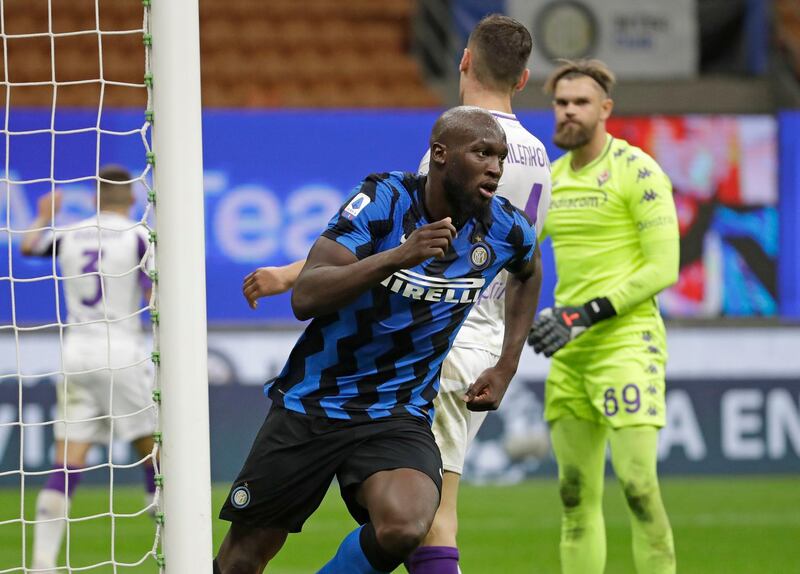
column 77, row 280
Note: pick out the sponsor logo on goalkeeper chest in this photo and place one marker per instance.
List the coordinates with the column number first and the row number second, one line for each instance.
column 435, row 289
column 578, row 200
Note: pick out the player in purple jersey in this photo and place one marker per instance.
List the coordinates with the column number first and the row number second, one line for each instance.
column 448, row 228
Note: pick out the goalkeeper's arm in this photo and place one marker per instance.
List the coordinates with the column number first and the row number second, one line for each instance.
column 652, row 210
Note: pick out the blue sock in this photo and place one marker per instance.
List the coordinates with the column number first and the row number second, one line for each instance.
column 350, row 558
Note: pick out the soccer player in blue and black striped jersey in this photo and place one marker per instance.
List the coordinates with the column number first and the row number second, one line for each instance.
column 387, row 286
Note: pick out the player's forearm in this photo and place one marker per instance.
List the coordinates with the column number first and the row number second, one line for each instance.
column 323, row 289
column 521, row 300
column 288, row 274
column 32, row 238
column 659, row 271
column 653, row 212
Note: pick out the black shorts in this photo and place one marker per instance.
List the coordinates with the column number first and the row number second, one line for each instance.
column 295, row 457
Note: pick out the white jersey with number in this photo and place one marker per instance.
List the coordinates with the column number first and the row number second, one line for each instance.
column 107, row 381
column 103, row 262
column 526, row 184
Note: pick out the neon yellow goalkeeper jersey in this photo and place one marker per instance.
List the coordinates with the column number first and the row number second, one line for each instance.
column 614, row 232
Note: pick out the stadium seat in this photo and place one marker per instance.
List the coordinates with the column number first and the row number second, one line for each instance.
column 315, row 53
column 787, row 23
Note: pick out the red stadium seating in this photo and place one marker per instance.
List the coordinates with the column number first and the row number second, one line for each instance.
column 255, row 53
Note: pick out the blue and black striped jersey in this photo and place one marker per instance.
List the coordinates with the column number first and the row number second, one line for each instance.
column 381, row 355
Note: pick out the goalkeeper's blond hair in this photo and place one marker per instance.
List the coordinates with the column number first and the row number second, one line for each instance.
column 594, row 69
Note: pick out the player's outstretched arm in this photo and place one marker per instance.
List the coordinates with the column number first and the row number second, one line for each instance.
column 521, row 299
column 47, row 207
column 333, row 276
column 268, row 281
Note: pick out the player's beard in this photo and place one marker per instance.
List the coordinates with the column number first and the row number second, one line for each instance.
column 573, row 135
column 463, row 204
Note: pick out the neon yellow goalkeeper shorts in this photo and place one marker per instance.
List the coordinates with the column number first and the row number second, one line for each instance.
column 617, row 381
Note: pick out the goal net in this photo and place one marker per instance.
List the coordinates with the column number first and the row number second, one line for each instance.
column 79, row 338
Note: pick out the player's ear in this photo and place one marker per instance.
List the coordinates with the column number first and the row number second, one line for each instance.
column 463, row 66
column 606, row 108
column 438, row 153
column 523, row 80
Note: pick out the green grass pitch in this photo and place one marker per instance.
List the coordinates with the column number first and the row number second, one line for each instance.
column 721, row 525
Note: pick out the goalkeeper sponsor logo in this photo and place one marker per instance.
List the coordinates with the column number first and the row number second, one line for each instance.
column 655, row 222
column 583, row 201
column 434, row 289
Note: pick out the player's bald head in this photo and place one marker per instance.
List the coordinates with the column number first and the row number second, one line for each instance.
column 463, row 124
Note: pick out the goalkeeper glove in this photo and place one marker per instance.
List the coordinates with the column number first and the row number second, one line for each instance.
column 557, row 326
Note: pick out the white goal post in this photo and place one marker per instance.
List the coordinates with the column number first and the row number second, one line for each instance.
column 178, row 184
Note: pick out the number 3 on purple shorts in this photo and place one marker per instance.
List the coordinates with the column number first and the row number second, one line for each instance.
column 631, row 398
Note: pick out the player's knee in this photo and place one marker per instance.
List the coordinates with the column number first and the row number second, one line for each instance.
column 571, row 488
column 641, row 496
column 401, row 537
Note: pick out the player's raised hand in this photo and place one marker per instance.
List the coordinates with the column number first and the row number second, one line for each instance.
column 49, row 205
column 263, row 282
column 487, row 391
column 431, row 240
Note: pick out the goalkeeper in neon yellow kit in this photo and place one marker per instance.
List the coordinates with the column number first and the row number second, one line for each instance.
column 615, row 235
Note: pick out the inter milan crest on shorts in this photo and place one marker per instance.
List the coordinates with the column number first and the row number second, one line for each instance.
column 479, row 256
column 240, row 497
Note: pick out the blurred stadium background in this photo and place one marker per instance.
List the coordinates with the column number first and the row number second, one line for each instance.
column 302, row 99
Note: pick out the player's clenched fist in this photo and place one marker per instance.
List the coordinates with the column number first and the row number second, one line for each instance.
column 431, row 240
column 488, row 390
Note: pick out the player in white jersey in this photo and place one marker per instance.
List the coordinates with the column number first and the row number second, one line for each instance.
column 106, row 392
column 492, row 71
